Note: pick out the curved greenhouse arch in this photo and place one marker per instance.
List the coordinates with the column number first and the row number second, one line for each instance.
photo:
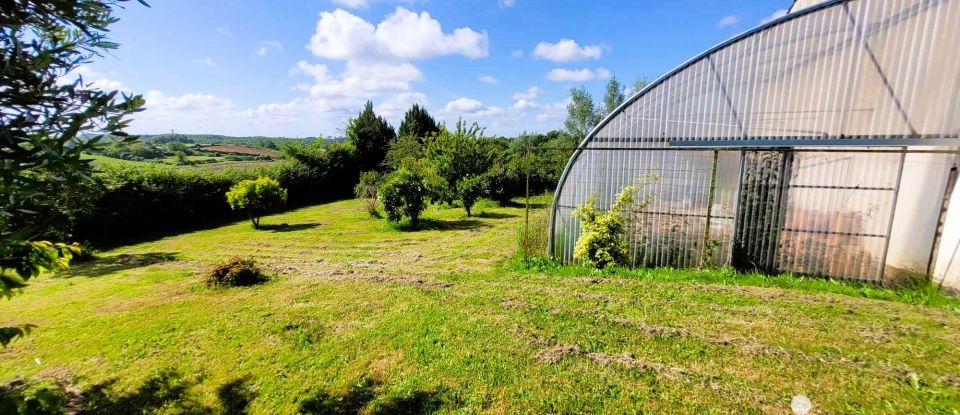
column 854, row 74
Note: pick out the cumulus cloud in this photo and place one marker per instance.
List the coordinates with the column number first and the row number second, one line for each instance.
column 358, row 79
column 267, row 45
column 489, row 79
column 464, row 105
column 508, row 3
column 566, row 50
column 568, row 75
column 93, row 79
column 402, row 35
column 776, row 15
column 205, row 61
column 530, row 93
column 727, row 21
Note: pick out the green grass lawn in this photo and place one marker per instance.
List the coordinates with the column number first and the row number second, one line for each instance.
column 364, row 317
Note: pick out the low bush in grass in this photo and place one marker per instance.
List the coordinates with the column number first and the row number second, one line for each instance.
column 236, row 272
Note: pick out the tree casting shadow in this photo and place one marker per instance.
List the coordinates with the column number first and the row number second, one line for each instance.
column 522, row 205
column 443, row 225
column 496, row 215
column 362, row 395
column 283, row 227
column 108, row 265
column 168, row 390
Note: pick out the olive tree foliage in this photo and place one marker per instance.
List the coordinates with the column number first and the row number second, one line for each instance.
column 257, row 197
column 418, row 123
column 405, row 192
column 46, row 121
column 371, row 135
column 601, row 243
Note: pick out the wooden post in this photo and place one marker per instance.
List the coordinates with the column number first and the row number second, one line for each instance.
column 526, row 224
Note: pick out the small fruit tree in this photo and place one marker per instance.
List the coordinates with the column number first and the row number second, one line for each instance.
column 405, row 191
column 257, row 197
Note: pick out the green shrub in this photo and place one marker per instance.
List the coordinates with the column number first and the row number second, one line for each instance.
column 257, row 197
column 366, row 191
column 601, row 241
column 405, row 191
column 469, row 190
column 236, row 272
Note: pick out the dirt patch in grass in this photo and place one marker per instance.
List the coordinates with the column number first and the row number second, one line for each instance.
column 626, row 361
column 557, row 353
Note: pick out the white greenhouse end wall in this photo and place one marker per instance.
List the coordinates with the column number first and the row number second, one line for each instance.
column 946, row 272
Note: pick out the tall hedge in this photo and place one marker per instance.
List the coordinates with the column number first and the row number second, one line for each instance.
column 136, row 202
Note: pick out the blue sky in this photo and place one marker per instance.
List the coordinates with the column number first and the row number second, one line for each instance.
column 302, row 67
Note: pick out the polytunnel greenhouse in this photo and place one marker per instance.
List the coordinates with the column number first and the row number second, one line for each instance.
column 821, row 143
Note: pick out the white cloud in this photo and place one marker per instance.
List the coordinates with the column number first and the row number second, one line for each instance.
column 403, row 35
column 395, row 106
column 567, row 75
column 776, row 15
column 529, row 94
column 727, row 21
column 223, row 31
column 359, row 80
column 489, row 79
column 517, row 53
column 566, row 50
column 508, row 3
column 205, row 61
column 464, row 105
column 353, row 4
column 93, row 79
column 267, row 45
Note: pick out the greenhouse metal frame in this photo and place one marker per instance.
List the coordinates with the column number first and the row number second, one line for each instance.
column 821, row 143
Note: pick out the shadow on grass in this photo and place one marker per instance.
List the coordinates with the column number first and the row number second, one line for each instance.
column 283, row 227
column 442, row 225
column 168, row 391
column 362, row 395
column 521, row 205
column 496, row 215
column 108, row 265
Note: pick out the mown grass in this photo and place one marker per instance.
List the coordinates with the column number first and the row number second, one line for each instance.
column 365, row 316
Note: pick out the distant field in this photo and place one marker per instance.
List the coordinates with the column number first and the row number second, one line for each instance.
column 362, row 317
column 219, row 164
column 238, row 149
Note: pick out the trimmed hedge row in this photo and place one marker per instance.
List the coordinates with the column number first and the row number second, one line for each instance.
column 137, row 202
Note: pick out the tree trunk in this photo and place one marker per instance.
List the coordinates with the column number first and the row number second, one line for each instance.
column 254, row 220
column 468, row 210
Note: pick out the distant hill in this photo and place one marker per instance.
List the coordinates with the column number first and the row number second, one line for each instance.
column 210, row 139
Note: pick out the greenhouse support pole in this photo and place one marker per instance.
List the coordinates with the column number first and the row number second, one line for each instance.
column 710, row 196
column 893, row 213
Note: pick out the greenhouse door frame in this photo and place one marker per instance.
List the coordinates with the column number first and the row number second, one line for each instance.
column 759, row 217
